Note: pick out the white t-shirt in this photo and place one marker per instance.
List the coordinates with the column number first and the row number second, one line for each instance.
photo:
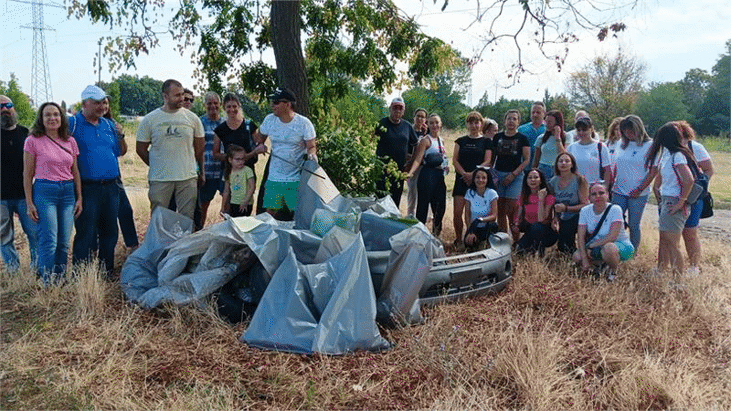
column 612, row 148
column 172, row 156
column 480, row 205
column 288, row 142
column 587, row 159
column 699, row 152
column 631, row 167
column 670, row 184
column 588, row 218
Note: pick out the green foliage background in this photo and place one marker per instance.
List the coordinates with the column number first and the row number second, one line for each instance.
column 21, row 101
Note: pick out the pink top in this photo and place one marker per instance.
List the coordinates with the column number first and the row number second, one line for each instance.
column 531, row 209
column 52, row 162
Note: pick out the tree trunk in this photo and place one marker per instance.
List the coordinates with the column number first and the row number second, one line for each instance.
column 287, row 45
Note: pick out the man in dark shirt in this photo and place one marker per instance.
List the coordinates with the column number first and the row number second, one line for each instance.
column 12, row 197
column 397, row 140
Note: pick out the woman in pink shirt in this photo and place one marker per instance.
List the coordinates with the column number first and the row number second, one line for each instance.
column 535, row 215
column 50, row 178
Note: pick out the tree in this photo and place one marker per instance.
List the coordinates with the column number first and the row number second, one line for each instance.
column 138, row 96
column 714, row 116
column 21, row 101
column 663, row 102
column 607, row 87
column 694, row 87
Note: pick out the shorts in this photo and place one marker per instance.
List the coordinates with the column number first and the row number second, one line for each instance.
column 626, row 251
column 460, row 187
column 513, row 190
column 208, row 190
column 694, row 218
column 277, row 194
column 673, row 223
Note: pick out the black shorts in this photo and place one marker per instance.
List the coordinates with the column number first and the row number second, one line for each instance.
column 460, row 188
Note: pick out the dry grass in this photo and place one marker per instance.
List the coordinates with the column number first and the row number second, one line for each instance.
column 551, row 340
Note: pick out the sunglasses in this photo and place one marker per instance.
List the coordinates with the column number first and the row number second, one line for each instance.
column 275, row 102
column 6, row 105
column 189, row 100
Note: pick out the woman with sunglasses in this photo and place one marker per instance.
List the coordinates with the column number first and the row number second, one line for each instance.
column 602, row 239
column 572, row 194
column 535, row 215
column 52, row 185
column 482, row 207
column 592, row 156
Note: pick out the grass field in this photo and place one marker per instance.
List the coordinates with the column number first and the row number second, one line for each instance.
column 552, row 340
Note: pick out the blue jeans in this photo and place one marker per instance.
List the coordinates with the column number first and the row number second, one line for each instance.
column 54, row 201
column 7, row 233
column 126, row 218
column 96, row 227
column 634, row 207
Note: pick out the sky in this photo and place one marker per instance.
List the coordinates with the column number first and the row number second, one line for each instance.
column 670, row 37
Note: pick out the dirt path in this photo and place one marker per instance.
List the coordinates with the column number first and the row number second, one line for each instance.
column 718, row 226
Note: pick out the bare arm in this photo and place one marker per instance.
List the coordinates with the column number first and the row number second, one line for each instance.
column 226, row 197
column 250, row 187
column 686, row 181
column 707, row 167
column 493, row 211
column 77, row 186
column 259, row 138
column 611, row 237
column 311, row 147
column 537, row 157
column 199, row 145
column 651, row 173
column 120, row 139
column 29, row 171
column 419, row 154
column 581, row 245
column 217, row 149
column 455, row 161
column 143, row 150
column 488, row 158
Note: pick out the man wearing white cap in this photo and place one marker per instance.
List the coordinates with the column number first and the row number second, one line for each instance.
column 96, row 227
column 397, row 140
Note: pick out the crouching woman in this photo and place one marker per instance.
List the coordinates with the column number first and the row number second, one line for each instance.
column 482, row 207
column 602, row 238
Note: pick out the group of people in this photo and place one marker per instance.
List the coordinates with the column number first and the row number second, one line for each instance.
column 70, row 176
column 536, row 181
column 547, row 186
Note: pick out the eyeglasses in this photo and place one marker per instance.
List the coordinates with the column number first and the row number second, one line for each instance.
column 6, row 105
column 188, row 100
column 275, row 102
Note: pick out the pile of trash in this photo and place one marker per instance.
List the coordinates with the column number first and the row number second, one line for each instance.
column 308, row 281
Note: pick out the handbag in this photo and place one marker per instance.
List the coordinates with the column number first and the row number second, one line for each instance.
column 707, row 206
column 435, row 160
column 700, row 182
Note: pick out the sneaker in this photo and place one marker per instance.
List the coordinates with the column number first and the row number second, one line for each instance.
column 692, row 271
column 611, row 276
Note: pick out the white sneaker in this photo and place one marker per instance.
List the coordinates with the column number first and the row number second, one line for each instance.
column 692, row 271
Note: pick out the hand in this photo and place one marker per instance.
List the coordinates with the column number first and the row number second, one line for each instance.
column 560, row 208
column 77, row 208
column 680, row 205
column 313, row 157
column 470, row 239
column 515, row 229
column 467, row 178
column 585, row 264
column 242, row 208
column 542, row 194
column 32, row 212
column 201, row 180
column 259, row 149
column 508, row 179
column 557, row 133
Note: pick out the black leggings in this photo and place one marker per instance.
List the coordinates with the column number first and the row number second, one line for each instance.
column 431, row 190
column 538, row 237
column 567, row 234
column 481, row 230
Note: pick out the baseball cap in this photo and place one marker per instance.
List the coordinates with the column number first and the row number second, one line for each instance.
column 93, row 92
column 583, row 121
column 283, row 94
column 398, row 101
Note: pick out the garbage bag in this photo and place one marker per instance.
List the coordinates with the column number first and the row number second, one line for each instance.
column 324, row 307
column 317, row 192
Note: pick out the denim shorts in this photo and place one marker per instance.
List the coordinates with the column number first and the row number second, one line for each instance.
column 694, row 218
column 626, row 251
column 513, row 190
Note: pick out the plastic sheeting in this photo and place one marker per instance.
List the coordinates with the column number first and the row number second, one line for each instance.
column 320, row 296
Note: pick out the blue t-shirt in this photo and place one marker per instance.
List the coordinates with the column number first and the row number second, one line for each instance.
column 532, row 135
column 98, row 147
